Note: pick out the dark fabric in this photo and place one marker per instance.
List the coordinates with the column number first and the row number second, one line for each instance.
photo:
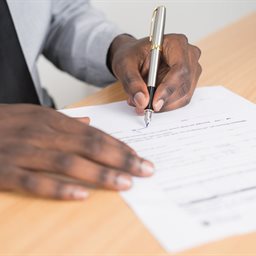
column 16, row 84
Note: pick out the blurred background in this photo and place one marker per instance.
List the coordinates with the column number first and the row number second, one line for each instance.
column 195, row 18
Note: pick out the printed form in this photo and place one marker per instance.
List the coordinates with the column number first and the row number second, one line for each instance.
column 204, row 188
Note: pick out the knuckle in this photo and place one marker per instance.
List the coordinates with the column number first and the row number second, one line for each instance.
column 18, row 150
column 103, row 177
column 63, row 162
column 92, row 143
column 58, row 191
column 108, row 178
column 182, row 38
column 184, row 71
column 129, row 162
column 196, row 50
column 169, row 89
column 96, row 143
column 199, row 69
column 28, row 182
column 25, row 132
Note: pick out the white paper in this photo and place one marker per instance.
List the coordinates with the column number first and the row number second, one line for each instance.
column 204, row 188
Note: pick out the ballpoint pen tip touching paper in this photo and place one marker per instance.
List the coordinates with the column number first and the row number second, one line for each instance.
column 148, row 117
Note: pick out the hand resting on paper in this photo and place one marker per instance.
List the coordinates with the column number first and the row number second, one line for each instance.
column 36, row 141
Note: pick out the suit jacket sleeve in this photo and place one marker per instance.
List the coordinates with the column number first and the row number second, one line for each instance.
column 78, row 40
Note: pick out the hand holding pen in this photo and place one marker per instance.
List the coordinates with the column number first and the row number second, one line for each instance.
column 177, row 74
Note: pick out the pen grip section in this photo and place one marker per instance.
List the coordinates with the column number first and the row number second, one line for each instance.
column 151, row 91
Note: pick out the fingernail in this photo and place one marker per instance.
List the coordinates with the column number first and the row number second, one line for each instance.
column 158, row 105
column 80, row 194
column 139, row 99
column 147, row 168
column 123, row 182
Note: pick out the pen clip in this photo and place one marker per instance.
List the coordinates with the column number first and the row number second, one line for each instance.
column 152, row 25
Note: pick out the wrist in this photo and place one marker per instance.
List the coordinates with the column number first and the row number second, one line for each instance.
column 118, row 42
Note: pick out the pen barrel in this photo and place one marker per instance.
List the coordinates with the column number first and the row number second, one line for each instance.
column 154, row 63
column 156, row 39
column 159, row 26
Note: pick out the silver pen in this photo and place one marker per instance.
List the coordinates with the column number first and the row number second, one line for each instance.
column 156, row 39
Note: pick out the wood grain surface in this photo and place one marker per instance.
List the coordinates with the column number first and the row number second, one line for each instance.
column 104, row 225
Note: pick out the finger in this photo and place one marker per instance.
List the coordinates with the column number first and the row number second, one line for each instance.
column 175, row 49
column 80, row 169
column 174, row 86
column 88, row 139
column 71, row 127
column 195, row 51
column 194, row 55
column 134, row 85
column 91, row 150
column 17, row 179
column 196, row 70
column 130, row 102
column 64, row 125
column 183, row 100
column 138, row 110
column 92, row 139
column 175, row 55
column 84, row 120
column 180, row 81
column 73, row 166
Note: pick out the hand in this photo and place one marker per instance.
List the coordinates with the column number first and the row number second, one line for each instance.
column 178, row 72
column 37, row 141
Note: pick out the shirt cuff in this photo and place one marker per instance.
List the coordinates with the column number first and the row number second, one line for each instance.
column 97, row 53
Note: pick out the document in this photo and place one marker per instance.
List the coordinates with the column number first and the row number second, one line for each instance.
column 204, row 188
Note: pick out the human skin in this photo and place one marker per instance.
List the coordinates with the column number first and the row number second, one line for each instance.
column 178, row 72
column 37, row 141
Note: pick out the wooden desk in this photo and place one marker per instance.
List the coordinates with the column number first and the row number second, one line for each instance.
column 104, row 225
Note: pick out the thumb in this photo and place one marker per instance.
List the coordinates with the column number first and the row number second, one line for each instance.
column 135, row 87
column 84, row 120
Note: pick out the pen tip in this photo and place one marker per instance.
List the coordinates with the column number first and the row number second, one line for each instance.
column 147, row 117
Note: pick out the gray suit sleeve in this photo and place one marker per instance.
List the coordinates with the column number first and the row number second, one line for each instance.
column 78, row 41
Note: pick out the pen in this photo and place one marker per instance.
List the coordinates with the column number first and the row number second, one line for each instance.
column 156, row 39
